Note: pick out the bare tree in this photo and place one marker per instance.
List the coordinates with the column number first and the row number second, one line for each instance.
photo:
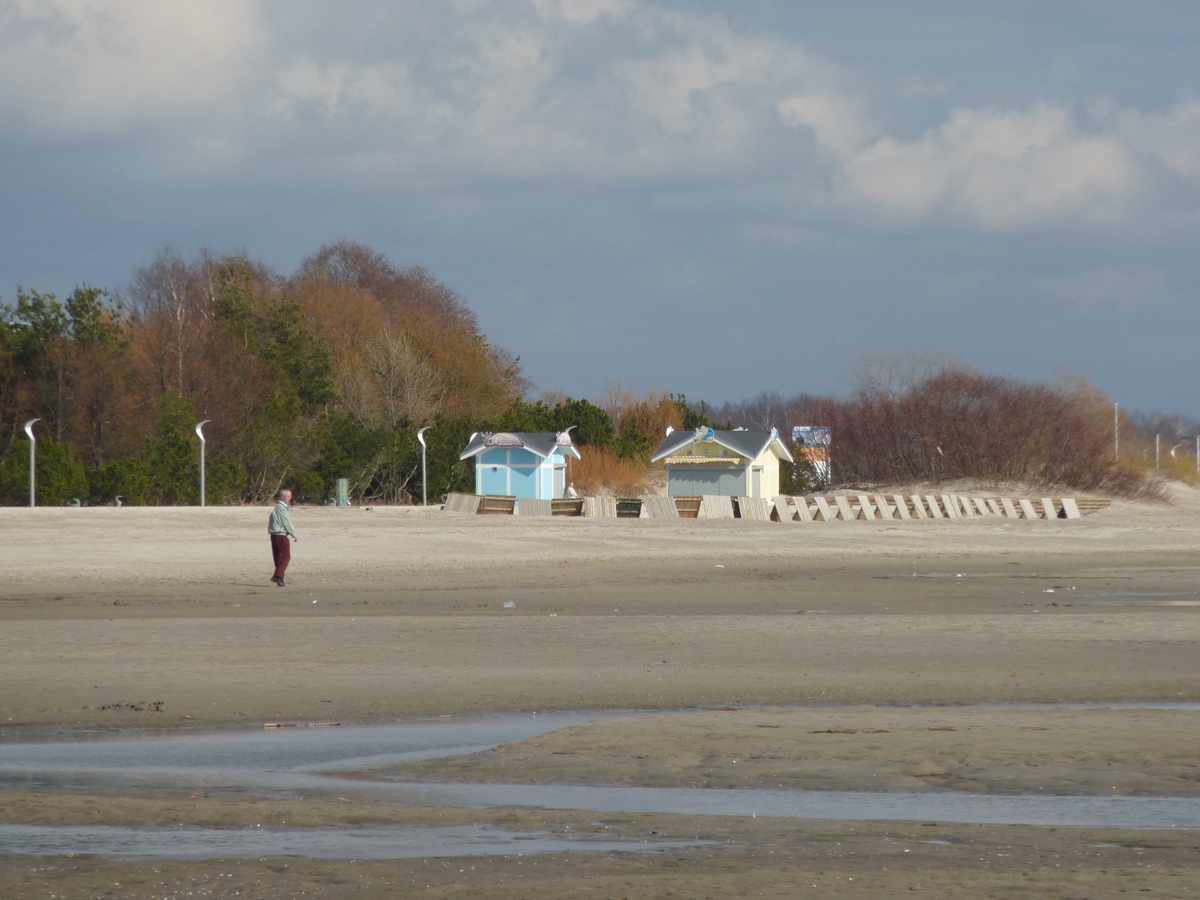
column 396, row 382
column 890, row 373
column 171, row 300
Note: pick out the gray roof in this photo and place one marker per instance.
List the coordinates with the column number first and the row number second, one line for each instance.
column 542, row 443
column 675, row 441
column 747, row 444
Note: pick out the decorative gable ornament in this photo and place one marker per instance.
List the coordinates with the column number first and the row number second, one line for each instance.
column 503, row 439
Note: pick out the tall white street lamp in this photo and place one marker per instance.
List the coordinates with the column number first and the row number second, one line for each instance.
column 424, row 489
column 1116, row 432
column 32, row 462
column 200, row 434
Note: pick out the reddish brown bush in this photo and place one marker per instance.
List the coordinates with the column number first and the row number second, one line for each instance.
column 601, row 472
column 959, row 423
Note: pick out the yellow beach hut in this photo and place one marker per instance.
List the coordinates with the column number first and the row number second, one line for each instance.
column 736, row 463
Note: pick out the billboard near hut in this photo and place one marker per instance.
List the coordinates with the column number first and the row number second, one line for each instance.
column 813, row 443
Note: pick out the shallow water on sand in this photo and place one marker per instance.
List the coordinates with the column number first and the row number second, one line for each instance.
column 380, row 842
column 304, row 762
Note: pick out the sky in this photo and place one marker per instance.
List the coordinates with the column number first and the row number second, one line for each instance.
column 710, row 198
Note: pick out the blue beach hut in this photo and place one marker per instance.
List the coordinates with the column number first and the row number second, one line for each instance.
column 525, row 465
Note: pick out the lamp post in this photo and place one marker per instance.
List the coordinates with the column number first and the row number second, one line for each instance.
column 200, row 434
column 1116, row 432
column 424, row 488
column 32, row 462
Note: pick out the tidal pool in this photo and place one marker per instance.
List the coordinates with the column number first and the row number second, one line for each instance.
column 313, row 843
column 304, row 763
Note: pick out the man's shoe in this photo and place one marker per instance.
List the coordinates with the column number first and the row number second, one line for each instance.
column 275, row 579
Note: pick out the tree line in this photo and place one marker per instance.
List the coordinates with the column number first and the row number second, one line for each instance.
column 934, row 418
column 304, row 379
column 329, row 372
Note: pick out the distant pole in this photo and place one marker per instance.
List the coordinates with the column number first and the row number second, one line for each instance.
column 1116, row 432
column 1198, row 454
column 200, row 434
column 1157, row 439
column 33, row 462
column 424, row 487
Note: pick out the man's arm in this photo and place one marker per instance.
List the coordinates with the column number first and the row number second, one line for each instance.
column 287, row 525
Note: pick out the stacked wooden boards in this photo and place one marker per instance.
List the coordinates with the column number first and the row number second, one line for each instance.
column 870, row 507
column 859, row 507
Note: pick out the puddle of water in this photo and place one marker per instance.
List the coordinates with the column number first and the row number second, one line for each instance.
column 290, row 763
column 1140, row 598
column 313, row 843
column 1077, row 704
column 291, row 749
column 1025, row 809
column 1071, row 595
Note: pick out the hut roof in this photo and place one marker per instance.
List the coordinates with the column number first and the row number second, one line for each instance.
column 542, row 444
column 747, row 444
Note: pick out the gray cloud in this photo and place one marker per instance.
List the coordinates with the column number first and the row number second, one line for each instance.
column 73, row 66
column 664, row 178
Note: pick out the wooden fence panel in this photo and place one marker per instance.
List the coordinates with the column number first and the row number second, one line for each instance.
column 527, row 507
column 600, row 507
column 660, row 508
column 462, row 503
column 716, row 506
column 824, row 510
column 803, row 513
column 756, row 508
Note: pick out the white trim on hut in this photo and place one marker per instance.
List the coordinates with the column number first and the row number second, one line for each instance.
column 737, row 463
column 525, row 465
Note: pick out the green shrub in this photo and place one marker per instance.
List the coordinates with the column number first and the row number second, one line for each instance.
column 60, row 474
column 224, row 482
column 129, row 478
column 308, row 487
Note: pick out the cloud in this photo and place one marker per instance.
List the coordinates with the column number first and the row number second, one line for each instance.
column 835, row 119
column 594, row 89
column 620, row 92
column 594, row 92
column 582, row 11
column 1173, row 137
column 71, row 66
column 1001, row 169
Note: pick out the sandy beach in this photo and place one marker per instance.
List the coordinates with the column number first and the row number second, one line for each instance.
column 833, row 656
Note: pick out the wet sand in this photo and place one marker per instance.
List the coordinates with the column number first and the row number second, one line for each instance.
column 165, row 617
column 1076, row 752
column 775, row 858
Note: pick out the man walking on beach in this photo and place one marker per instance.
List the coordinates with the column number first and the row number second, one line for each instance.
column 279, row 526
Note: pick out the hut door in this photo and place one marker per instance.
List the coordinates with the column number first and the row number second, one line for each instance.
column 560, row 482
column 756, row 481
